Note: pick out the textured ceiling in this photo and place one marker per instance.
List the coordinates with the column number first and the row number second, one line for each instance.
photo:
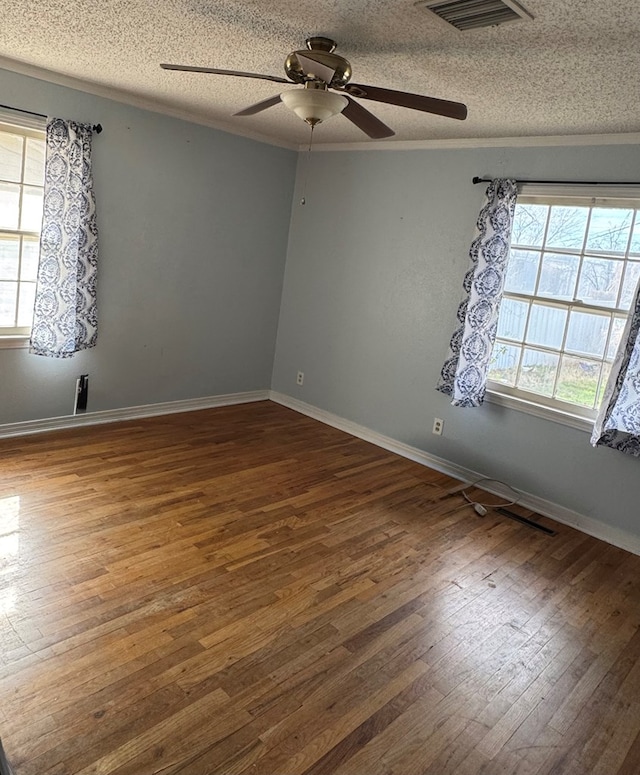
column 572, row 70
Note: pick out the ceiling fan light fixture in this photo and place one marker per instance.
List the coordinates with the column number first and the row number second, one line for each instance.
column 314, row 105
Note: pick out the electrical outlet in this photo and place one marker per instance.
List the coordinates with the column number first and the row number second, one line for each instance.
column 300, row 378
column 438, row 426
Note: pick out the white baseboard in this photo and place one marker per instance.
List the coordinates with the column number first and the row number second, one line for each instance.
column 588, row 525
column 593, row 527
column 129, row 413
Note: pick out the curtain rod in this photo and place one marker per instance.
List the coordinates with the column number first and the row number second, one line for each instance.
column 97, row 128
column 566, row 182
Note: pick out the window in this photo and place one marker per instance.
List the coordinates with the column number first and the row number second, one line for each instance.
column 22, row 152
column 572, row 273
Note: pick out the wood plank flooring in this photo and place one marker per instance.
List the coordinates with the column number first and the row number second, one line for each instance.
column 247, row 591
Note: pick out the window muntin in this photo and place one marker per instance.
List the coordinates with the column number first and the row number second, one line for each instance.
column 22, row 154
column 572, row 274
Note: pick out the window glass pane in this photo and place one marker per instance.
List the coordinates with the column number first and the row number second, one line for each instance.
column 562, row 255
column 31, row 209
column 609, row 229
column 558, row 276
column 21, row 198
column 546, row 326
column 30, row 258
column 538, row 372
column 600, row 281
column 587, row 333
column 9, row 205
column 566, row 227
column 512, row 318
column 629, row 284
column 504, row 363
column 34, row 162
column 617, row 329
column 8, row 293
column 10, row 157
column 522, row 271
column 529, row 223
column 9, row 257
column 578, row 381
column 25, row 305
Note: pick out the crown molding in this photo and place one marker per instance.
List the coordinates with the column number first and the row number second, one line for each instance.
column 127, row 98
column 543, row 141
column 157, row 106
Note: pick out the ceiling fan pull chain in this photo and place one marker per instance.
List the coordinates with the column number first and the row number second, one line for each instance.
column 303, row 201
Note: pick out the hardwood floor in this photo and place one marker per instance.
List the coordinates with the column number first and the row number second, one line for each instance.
column 246, row 590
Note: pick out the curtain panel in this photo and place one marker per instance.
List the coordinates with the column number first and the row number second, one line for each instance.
column 464, row 374
column 65, row 317
column 618, row 422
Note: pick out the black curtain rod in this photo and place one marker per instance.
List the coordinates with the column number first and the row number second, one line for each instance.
column 567, row 182
column 97, row 128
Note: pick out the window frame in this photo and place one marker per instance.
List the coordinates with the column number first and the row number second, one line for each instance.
column 12, row 337
column 605, row 196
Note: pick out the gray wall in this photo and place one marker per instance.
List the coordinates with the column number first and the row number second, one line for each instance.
column 373, row 278
column 194, row 224
column 193, row 232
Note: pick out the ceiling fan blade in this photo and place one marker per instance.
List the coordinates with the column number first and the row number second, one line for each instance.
column 258, row 106
column 318, row 69
column 407, row 100
column 366, row 121
column 217, row 71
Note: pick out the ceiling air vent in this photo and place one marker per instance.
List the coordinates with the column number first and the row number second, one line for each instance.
column 472, row 14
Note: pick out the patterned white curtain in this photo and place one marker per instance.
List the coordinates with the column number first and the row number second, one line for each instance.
column 618, row 422
column 464, row 374
column 65, row 318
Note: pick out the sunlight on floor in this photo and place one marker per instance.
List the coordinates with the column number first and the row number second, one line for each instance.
column 9, row 549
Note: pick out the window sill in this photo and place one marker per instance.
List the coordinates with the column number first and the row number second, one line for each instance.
column 538, row 410
column 14, row 342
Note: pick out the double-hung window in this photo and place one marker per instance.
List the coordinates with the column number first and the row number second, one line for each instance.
column 22, row 152
column 571, row 278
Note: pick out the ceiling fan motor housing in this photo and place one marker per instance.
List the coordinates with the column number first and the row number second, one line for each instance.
column 319, row 50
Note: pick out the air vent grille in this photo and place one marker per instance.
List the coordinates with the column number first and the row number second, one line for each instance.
column 471, row 14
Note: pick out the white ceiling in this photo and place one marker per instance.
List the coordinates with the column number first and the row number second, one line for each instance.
column 572, row 70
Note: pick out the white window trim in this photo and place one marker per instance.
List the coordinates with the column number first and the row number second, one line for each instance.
column 496, row 395
column 534, row 404
column 34, row 126
column 607, row 196
column 13, row 342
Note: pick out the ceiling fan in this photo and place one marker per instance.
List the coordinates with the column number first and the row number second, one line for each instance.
column 318, row 69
